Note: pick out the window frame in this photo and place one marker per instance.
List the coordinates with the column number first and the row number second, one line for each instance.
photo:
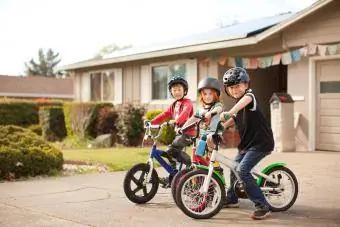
column 102, row 71
column 167, row 63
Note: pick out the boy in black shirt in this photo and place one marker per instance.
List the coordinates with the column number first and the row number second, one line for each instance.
column 256, row 138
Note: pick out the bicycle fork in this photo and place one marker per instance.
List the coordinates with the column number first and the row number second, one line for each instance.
column 207, row 179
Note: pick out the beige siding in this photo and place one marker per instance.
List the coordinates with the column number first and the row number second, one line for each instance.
column 131, row 84
column 322, row 26
column 298, row 86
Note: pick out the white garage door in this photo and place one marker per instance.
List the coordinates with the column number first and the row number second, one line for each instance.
column 328, row 105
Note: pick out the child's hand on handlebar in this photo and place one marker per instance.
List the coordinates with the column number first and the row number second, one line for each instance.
column 224, row 116
column 207, row 115
column 147, row 123
column 172, row 122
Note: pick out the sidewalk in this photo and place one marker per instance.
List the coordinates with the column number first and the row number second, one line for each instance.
column 99, row 200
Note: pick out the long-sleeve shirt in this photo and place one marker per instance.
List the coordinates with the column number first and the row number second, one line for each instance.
column 180, row 111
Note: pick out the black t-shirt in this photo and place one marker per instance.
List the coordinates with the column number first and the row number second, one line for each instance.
column 253, row 127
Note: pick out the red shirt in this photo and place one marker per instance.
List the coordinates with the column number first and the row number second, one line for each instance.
column 180, row 111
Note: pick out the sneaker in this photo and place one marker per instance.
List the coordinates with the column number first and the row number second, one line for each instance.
column 164, row 181
column 229, row 204
column 260, row 213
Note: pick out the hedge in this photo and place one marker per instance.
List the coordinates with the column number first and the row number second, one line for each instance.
column 23, row 153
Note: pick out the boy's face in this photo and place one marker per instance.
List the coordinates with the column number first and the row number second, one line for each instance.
column 207, row 95
column 177, row 91
column 238, row 90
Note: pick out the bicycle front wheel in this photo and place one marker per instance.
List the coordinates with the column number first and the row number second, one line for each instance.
column 196, row 204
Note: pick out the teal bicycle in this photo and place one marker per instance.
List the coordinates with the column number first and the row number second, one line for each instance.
column 200, row 193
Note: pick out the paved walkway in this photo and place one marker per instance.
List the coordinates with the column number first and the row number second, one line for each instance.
column 99, row 200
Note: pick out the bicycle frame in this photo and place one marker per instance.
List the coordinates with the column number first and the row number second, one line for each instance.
column 156, row 154
column 232, row 165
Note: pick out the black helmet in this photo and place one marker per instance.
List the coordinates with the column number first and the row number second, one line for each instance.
column 178, row 80
column 235, row 76
column 210, row 82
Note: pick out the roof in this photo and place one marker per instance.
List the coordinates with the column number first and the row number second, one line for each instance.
column 246, row 33
column 36, row 86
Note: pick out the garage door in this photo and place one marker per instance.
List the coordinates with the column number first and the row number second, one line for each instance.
column 328, row 105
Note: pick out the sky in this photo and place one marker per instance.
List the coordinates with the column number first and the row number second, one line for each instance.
column 78, row 29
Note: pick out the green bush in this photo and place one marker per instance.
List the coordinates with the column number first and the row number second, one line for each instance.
column 168, row 132
column 23, row 153
column 130, row 124
column 52, row 122
column 36, row 129
column 22, row 112
column 18, row 112
column 82, row 118
column 106, row 122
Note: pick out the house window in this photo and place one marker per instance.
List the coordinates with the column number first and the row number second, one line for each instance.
column 102, row 86
column 160, row 79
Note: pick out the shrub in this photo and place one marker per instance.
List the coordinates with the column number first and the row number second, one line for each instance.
column 106, row 122
column 52, row 123
column 36, row 129
column 82, row 118
column 168, row 132
column 18, row 112
column 130, row 124
column 23, row 153
column 22, row 112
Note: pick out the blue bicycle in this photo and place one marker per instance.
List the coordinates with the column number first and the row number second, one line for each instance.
column 141, row 182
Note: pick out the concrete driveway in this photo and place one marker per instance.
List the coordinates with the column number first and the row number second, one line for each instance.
column 99, row 200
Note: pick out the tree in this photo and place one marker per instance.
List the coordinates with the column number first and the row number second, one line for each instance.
column 110, row 49
column 45, row 65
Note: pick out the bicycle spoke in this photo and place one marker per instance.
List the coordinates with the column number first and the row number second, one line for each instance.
column 137, row 189
column 145, row 191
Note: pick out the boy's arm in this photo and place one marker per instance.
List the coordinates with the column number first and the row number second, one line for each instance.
column 162, row 116
column 245, row 100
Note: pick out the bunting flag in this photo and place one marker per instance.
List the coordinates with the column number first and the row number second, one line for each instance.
column 260, row 63
column 246, row 63
column 304, row 51
column 296, row 55
column 276, row 59
column 253, row 63
column 267, row 61
column 286, row 58
column 231, row 62
column 238, row 61
column 322, row 50
column 222, row 60
column 312, row 49
column 332, row 49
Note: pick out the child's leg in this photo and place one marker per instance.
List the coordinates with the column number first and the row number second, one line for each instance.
column 177, row 149
column 232, row 199
column 250, row 159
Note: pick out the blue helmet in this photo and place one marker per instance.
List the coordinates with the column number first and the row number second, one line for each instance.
column 235, row 76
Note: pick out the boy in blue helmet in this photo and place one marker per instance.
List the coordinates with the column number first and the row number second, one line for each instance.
column 180, row 111
column 256, row 138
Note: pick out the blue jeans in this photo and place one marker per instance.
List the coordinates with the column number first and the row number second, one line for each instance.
column 247, row 160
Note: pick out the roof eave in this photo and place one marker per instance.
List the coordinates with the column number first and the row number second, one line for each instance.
column 162, row 53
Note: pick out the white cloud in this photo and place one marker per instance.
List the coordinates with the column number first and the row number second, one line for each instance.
column 78, row 29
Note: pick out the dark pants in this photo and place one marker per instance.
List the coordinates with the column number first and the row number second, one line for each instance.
column 175, row 149
column 247, row 160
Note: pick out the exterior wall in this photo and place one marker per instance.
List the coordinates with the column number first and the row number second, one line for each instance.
column 131, row 84
column 298, row 80
column 322, row 26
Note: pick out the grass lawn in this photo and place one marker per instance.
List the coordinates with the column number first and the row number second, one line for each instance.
column 116, row 158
